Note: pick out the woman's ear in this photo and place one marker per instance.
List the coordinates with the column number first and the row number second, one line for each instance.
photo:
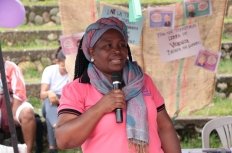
column 91, row 51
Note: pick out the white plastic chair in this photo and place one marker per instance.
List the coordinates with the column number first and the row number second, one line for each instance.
column 223, row 126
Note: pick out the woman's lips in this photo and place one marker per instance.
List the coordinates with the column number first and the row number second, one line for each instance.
column 116, row 61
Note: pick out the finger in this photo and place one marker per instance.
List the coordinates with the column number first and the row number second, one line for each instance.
column 120, row 105
column 117, row 91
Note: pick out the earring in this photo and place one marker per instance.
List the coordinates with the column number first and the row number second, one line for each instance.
column 92, row 59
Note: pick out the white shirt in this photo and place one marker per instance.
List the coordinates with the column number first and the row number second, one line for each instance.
column 51, row 75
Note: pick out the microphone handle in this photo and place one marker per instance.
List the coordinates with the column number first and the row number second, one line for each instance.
column 119, row 116
column 118, row 111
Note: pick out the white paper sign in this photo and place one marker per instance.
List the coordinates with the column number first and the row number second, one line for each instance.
column 179, row 43
column 134, row 28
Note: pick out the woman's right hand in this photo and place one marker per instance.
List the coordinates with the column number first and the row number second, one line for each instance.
column 114, row 99
column 53, row 98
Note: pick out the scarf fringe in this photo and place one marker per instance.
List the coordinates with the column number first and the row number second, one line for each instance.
column 138, row 146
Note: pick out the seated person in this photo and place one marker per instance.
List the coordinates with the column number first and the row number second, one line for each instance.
column 22, row 110
column 54, row 77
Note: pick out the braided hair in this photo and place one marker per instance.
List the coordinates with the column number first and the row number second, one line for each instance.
column 81, row 63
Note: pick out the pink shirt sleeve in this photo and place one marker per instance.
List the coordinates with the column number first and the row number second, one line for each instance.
column 15, row 81
column 159, row 100
column 72, row 97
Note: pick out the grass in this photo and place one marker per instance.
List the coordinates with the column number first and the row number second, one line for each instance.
column 35, row 44
column 39, row 2
column 71, row 151
column 36, row 103
column 218, row 107
column 224, row 67
column 227, row 20
column 32, row 75
column 226, row 38
column 26, row 27
column 195, row 141
column 39, row 27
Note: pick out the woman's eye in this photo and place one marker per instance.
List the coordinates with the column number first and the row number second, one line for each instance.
column 123, row 45
column 106, row 45
column 109, row 45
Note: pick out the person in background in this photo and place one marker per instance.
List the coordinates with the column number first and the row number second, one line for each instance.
column 54, row 77
column 23, row 111
column 86, row 114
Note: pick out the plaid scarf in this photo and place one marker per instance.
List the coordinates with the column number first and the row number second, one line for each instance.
column 136, row 113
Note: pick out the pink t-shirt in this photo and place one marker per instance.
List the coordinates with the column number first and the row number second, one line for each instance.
column 109, row 136
column 15, row 81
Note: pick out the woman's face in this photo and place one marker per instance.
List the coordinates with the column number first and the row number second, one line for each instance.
column 62, row 68
column 110, row 52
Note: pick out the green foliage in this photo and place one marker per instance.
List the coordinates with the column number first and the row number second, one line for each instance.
column 196, row 141
column 214, row 140
column 32, row 75
column 71, row 151
column 35, row 102
column 39, row 2
column 228, row 20
column 35, row 44
column 224, row 66
column 39, row 27
column 193, row 142
column 226, row 38
column 26, row 27
column 219, row 107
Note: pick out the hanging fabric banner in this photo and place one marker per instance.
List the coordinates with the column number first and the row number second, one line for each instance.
column 185, row 86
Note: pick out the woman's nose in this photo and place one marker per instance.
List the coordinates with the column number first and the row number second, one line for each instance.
column 116, row 49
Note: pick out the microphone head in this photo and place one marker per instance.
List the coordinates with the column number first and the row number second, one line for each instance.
column 116, row 76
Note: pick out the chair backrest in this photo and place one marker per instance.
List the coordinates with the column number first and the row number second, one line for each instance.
column 223, row 126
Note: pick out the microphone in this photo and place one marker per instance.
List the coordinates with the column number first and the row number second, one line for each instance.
column 116, row 78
